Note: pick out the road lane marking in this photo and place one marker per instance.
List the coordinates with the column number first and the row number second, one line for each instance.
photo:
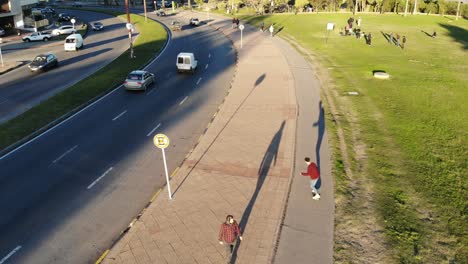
column 102, row 257
column 4, row 101
column 206, row 66
column 64, row 154
column 150, row 92
column 121, row 114
column 183, row 101
column 154, row 129
column 209, row 55
column 98, row 179
column 199, row 80
column 10, row 254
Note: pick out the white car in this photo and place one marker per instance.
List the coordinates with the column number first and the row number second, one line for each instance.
column 63, row 30
column 186, row 62
column 37, row 36
column 194, row 22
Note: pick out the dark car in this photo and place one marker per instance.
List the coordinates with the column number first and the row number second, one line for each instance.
column 97, row 26
column 43, row 62
column 64, row 17
column 48, row 10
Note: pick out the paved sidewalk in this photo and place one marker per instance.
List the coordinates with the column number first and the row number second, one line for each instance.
column 242, row 166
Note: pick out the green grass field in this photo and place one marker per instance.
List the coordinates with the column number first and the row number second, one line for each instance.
column 414, row 125
column 149, row 42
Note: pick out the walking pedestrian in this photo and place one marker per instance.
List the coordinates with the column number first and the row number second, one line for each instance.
column 262, row 26
column 369, row 39
column 403, row 42
column 390, row 39
column 233, row 22
column 313, row 173
column 272, row 29
column 398, row 40
column 358, row 22
column 228, row 234
column 237, row 23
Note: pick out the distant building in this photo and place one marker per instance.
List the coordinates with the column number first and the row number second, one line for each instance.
column 12, row 12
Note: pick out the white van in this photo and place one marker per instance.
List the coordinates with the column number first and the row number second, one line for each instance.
column 186, row 62
column 73, row 42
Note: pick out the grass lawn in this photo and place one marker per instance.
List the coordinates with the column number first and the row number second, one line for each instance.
column 149, row 42
column 413, row 127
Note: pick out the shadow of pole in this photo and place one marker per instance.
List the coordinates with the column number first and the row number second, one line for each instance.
column 268, row 160
column 320, row 124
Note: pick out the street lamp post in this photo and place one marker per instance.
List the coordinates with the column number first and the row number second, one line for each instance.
column 1, row 56
column 129, row 28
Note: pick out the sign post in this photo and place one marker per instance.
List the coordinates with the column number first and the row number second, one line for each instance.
column 73, row 22
column 162, row 141
column 241, row 27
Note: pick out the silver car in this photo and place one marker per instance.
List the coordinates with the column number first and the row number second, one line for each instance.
column 139, row 80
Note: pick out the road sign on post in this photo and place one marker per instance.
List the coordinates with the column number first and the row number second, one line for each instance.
column 241, row 27
column 162, row 141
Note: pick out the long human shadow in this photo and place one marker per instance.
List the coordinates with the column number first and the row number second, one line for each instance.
column 268, row 160
column 427, row 34
column 320, row 124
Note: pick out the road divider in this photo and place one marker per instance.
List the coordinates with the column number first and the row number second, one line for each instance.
column 64, row 154
column 10, row 254
column 154, row 129
column 100, row 177
column 121, row 114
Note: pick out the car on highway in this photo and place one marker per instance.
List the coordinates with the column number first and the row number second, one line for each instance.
column 37, row 36
column 43, row 62
column 73, row 42
column 139, row 80
column 194, row 21
column 63, row 30
column 176, row 25
column 97, row 26
column 186, row 62
column 64, row 17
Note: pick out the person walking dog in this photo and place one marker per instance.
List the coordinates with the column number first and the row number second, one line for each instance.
column 228, row 234
column 313, row 173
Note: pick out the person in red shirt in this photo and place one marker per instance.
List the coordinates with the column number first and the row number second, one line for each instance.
column 313, row 173
column 228, row 234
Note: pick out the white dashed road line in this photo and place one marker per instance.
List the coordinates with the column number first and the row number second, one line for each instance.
column 98, row 179
column 199, row 80
column 121, row 114
column 209, row 55
column 206, row 66
column 183, row 101
column 4, row 101
column 64, row 154
column 10, row 254
column 154, row 129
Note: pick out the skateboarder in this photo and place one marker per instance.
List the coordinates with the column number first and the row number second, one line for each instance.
column 313, row 173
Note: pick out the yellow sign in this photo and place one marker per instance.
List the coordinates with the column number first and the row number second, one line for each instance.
column 161, row 141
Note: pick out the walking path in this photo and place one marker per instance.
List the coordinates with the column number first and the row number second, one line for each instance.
column 245, row 165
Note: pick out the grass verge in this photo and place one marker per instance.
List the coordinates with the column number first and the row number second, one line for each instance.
column 152, row 37
column 413, row 127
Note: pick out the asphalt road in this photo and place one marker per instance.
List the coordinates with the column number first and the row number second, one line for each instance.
column 22, row 89
column 67, row 194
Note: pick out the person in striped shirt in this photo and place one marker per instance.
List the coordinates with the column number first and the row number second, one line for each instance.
column 228, row 234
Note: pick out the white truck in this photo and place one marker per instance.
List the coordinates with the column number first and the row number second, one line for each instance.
column 186, row 62
column 37, row 36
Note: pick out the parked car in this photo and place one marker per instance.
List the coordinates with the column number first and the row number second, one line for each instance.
column 73, row 42
column 194, row 21
column 37, row 36
column 139, row 80
column 63, row 30
column 2, row 32
column 186, row 62
column 64, row 17
column 43, row 62
column 48, row 10
column 97, row 26
column 176, row 25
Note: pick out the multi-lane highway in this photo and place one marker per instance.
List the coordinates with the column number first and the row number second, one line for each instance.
column 21, row 89
column 67, row 194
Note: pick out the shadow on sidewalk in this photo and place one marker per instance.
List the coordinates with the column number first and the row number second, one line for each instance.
column 268, row 160
column 320, row 124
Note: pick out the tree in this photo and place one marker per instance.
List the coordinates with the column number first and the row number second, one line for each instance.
column 415, row 7
column 458, row 9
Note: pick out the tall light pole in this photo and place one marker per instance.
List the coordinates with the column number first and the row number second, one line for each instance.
column 406, row 8
column 458, row 10
column 129, row 28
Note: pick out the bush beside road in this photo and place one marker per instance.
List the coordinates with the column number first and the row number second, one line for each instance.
column 152, row 37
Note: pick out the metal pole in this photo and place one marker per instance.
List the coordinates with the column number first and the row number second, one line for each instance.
column 167, row 175
column 129, row 29
column 144, row 7
column 241, row 37
column 1, row 56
